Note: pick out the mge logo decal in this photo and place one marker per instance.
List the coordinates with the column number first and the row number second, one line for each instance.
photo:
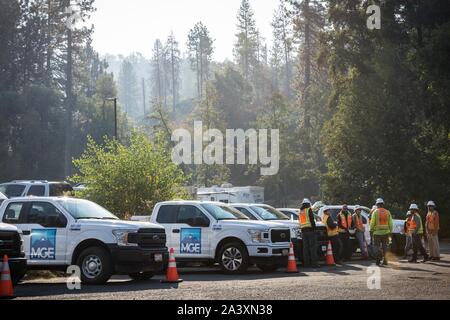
column 191, row 241
column 43, row 244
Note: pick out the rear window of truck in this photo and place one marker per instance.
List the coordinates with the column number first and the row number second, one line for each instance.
column 12, row 190
column 60, row 189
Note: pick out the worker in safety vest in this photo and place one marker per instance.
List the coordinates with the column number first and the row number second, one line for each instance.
column 416, row 229
column 408, row 245
column 345, row 222
column 308, row 228
column 333, row 235
column 381, row 227
column 359, row 224
column 432, row 226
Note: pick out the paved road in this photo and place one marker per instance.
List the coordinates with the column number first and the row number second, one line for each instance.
column 401, row 280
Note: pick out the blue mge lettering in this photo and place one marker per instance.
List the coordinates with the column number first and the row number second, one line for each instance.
column 191, row 241
column 43, row 244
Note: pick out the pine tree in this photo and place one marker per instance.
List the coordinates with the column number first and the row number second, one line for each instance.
column 200, row 50
column 282, row 50
column 174, row 60
column 128, row 88
column 247, row 43
column 158, row 76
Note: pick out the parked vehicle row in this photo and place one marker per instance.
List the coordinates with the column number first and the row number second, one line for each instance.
column 41, row 232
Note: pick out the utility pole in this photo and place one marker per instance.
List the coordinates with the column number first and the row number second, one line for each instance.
column 116, row 134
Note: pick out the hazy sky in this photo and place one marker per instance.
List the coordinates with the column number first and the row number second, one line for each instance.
column 126, row 26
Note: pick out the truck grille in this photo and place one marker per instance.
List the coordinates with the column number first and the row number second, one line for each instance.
column 280, row 235
column 10, row 244
column 149, row 238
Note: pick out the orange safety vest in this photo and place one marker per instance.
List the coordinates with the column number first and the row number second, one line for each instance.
column 412, row 225
column 359, row 223
column 408, row 224
column 383, row 217
column 432, row 221
column 346, row 224
column 304, row 219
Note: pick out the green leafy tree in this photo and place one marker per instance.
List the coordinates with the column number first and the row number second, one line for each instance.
column 129, row 180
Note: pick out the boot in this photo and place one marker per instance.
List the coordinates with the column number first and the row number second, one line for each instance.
column 413, row 260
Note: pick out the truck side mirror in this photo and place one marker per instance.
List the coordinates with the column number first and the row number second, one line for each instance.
column 201, row 222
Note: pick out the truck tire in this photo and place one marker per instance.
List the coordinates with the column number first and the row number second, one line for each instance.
column 268, row 268
column 142, row 276
column 233, row 258
column 95, row 265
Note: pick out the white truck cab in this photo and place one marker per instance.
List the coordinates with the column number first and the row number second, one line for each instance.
column 214, row 232
column 59, row 232
column 35, row 188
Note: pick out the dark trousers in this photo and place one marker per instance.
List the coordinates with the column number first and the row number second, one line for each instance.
column 346, row 251
column 381, row 242
column 336, row 245
column 310, row 248
column 418, row 246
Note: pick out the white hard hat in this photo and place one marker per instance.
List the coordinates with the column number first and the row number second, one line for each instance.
column 408, row 213
column 431, row 204
column 306, row 201
column 379, row 201
column 414, row 207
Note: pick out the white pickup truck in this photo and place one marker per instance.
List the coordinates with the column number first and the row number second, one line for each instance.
column 210, row 232
column 59, row 232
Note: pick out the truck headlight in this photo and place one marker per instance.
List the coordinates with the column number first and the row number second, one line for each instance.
column 259, row 236
column 122, row 237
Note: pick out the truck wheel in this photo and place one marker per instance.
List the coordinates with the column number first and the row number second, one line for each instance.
column 95, row 265
column 142, row 276
column 233, row 258
column 268, row 268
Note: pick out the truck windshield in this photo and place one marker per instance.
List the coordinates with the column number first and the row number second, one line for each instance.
column 268, row 213
column 83, row 209
column 224, row 212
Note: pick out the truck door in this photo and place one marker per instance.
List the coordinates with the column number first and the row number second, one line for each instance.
column 195, row 233
column 188, row 230
column 44, row 234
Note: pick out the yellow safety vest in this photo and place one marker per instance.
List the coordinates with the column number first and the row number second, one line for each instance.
column 331, row 232
column 304, row 219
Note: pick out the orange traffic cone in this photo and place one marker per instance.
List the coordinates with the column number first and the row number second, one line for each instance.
column 330, row 257
column 172, row 273
column 292, row 264
column 6, row 287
